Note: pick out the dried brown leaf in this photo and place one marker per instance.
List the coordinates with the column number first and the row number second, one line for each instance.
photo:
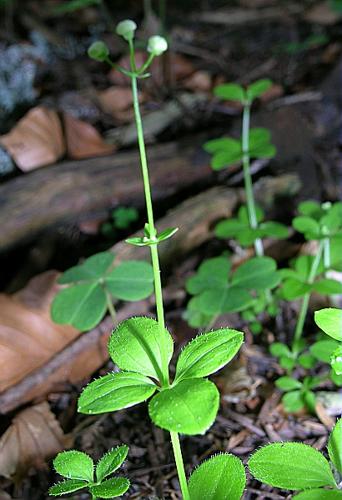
column 34, row 436
column 83, row 140
column 36, row 140
column 28, row 336
column 118, row 102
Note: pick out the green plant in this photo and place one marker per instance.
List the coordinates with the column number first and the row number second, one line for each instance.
column 217, row 290
column 121, row 218
column 226, row 151
column 330, row 321
column 299, row 467
column 92, row 285
column 142, row 347
column 74, row 5
column 78, row 469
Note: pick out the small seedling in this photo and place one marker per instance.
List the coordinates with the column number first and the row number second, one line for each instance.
column 299, row 467
column 217, row 290
column 298, row 395
column 78, row 469
column 121, row 218
column 94, row 284
column 254, row 143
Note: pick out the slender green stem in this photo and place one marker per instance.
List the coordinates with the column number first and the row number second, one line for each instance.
column 253, row 221
column 156, row 267
column 326, row 254
column 180, row 465
column 305, row 302
column 110, row 306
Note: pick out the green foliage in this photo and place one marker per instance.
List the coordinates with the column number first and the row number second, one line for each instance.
column 190, row 404
column 291, row 466
column 319, row 221
column 188, row 407
column 297, row 283
column 91, row 284
column 239, row 228
column 227, row 151
column 298, row 395
column 217, row 290
column 330, row 321
column 220, row 477
column 148, row 240
column 121, row 218
column 335, row 446
column 319, row 494
column 78, row 468
column 235, row 92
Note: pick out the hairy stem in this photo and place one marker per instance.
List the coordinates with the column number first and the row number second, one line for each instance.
column 156, row 268
column 253, row 222
column 305, row 302
column 180, row 465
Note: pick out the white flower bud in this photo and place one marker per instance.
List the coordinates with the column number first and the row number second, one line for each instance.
column 126, row 29
column 156, row 45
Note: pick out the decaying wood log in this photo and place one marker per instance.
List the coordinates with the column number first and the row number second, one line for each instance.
column 76, row 190
column 195, row 217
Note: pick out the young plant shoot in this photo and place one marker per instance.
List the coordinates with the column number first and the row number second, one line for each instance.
column 301, row 468
column 78, row 470
column 142, row 347
column 330, row 321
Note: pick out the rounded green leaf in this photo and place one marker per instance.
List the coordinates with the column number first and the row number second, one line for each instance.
column 327, row 286
column 189, row 407
column 336, row 361
column 74, row 465
column 219, row 301
column 224, row 159
column 229, row 228
column 330, row 321
column 293, row 401
column 92, row 268
column 230, row 91
column 292, row 466
column 319, row 494
column 288, row 383
column 274, row 230
column 256, row 89
column 67, row 486
column 258, row 273
column 82, row 306
column 307, row 225
column 294, row 288
column 278, row 349
column 212, row 273
column 323, row 350
column 136, row 345
column 208, row 353
column 335, row 446
column 222, row 144
column 111, row 488
column 110, row 462
column 114, row 392
column 221, row 477
column 131, row 280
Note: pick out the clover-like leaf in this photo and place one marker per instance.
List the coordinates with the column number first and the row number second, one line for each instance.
column 258, row 273
column 335, row 446
column 110, row 462
column 212, row 273
column 131, row 280
column 307, row 225
column 258, row 88
column 115, row 391
column 67, row 486
column 293, row 401
column 111, row 488
column 124, row 216
column 208, row 353
column 231, row 155
column 230, row 91
column 294, row 288
column 137, row 344
column 74, row 465
column 310, row 208
column 323, row 349
column 327, row 286
column 292, row 466
column 224, row 300
column 330, row 321
column 189, row 407
column 220, row 477
column 92, row 268
column 259, row 143
column 82, row 306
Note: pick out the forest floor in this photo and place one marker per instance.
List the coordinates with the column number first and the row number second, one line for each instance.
column 73, row 159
